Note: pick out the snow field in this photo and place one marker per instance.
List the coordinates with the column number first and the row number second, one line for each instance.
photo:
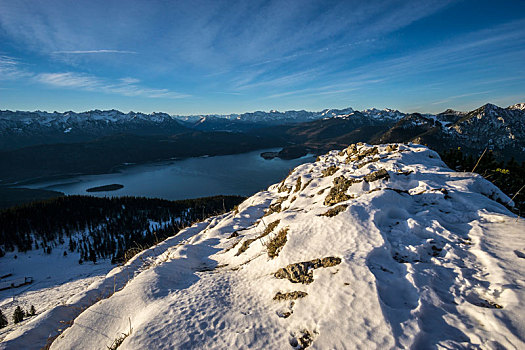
column 428, row 259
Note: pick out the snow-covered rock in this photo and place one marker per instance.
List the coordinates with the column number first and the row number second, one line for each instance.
column 372, row 247
column 520, row 106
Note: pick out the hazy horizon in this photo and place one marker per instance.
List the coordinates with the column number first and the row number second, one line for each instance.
column 239, row 113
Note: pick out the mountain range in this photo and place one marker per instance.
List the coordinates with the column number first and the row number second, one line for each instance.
column 40, row 144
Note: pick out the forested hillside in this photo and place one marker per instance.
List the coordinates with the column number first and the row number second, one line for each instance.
column 102, row 227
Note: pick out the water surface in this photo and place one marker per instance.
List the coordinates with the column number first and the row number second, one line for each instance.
column 239, row 174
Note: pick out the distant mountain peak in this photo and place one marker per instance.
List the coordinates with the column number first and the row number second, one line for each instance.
column 450, row 111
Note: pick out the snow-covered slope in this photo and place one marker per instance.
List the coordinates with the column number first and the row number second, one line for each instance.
column 367, row 248
column 56, row 277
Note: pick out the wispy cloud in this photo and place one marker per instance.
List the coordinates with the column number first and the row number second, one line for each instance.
column 266, row 50
column 214, row 34
column 10, row 69
column 125, row 86
column 455, row 97
column 82, row 52
column 481, row 52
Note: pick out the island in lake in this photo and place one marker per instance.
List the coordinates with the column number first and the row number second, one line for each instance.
column 112, row 187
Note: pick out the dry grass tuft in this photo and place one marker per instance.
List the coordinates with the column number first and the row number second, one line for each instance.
column 275, row 244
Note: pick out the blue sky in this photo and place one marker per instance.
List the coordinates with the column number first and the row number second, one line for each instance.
column 205, row 57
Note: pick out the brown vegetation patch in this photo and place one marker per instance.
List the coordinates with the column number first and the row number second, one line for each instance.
column 245, row 245
column 275, row 245
column 298, row 184
column 306, row 184
column 269, row 228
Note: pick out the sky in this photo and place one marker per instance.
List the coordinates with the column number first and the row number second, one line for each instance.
column 220, row 57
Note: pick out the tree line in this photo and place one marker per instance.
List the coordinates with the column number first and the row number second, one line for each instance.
column 102, row 227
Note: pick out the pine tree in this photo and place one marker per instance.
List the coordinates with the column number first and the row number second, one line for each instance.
column 3, row 320
column 32, row 311
column 18, row 315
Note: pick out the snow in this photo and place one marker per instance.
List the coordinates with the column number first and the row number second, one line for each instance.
column 55, row 279
column 429, row 258
column 520, row 106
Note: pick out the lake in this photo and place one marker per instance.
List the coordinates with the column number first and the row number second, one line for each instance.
column 240, row 174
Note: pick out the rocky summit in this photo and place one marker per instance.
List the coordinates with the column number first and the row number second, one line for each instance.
column 369, row 247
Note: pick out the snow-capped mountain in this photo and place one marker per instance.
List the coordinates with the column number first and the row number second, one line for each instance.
column 370, row 247
column 248, row 121
column 499, row 129
column 493, row 126
column 28, row 128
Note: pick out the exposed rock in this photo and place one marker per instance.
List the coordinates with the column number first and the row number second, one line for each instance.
column 302, row 272
column 302, row 340
column 351, row 149
column 377, row 175
column 276, row 206
column 284, row 314
column 360, row 165
column 289, row 295
column 392, row 148
column 337, row 193
column 331, row 170
column 335, row 210
column 488, row 304
column 364, row 153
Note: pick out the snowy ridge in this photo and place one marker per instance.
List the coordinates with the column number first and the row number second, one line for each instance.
column 369, row 247
column 520, row 106
column 68, row 118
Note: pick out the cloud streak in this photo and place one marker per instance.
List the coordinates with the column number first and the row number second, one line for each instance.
column 12, row 70
column 125, row 87
column 83, row 52
column 240, row 53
